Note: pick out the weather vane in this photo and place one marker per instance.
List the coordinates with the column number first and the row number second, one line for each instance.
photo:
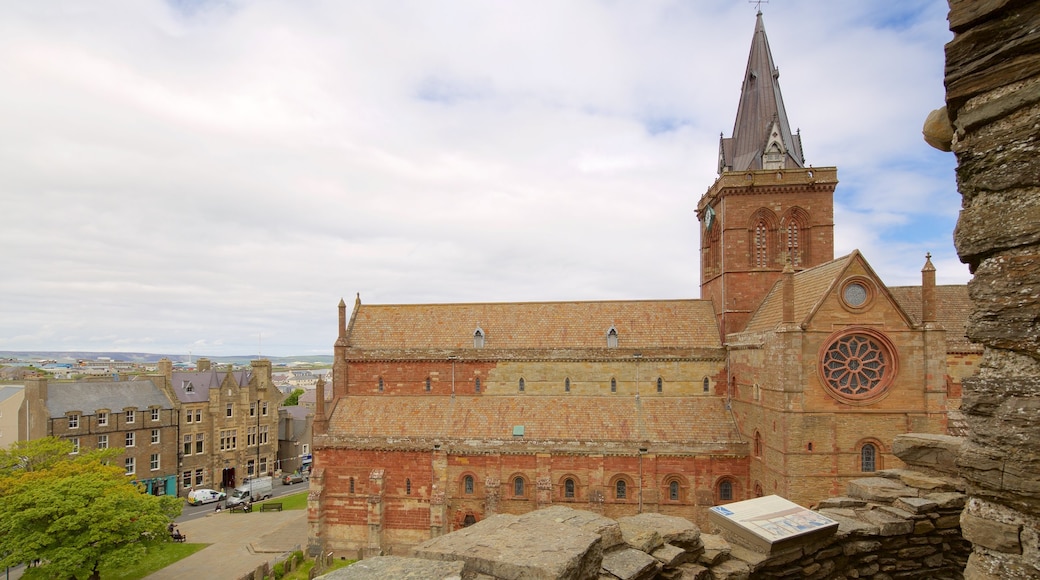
column 758, row 4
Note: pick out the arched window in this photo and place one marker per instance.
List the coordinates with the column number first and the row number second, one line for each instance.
column 673, row 490
column 467, row 485
column 428, row 385
column 478, row 338
column 792, row 243
column 351, row 485
column 521, row 384
column 660, row 384
column 612, row 338
column 613, row 385
column 567, row 384
column 725, row 490
column 620, row 489
column 868, row 458
column 758, row 444
column 758, row 490
column 761, row 256
column 568, row 488
column 380, row 384
column 469, row 520
column 408, row 487
column 707, row 384
column 518, row 486
column 476, row 385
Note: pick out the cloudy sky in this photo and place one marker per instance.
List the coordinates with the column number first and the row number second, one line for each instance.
column 212, row 176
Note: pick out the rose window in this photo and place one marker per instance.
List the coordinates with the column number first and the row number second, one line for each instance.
column 857, row 366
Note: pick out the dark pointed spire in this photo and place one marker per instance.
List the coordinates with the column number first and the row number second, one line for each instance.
column 762, row 137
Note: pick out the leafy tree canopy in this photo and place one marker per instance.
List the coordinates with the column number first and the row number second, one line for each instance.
column 293, row 399
column 74, row 513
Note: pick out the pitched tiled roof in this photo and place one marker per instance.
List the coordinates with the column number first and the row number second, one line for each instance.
column 89, row 396
column 674, row 421
column 810, row 287
column 952, row 309
column 536, row 325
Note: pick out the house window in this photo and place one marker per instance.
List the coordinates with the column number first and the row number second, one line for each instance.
column 568, row 488
column 567, row 384
column 673, row 490
column 478, row 338
column 613, row 385
column 187, row 444
column 188, row 387
column 380, row 384
column 467, row 485
column 429, row 385
column 130, row 439
column 187, row 416
column 102, row 419
column 153, row 463
column 660, row 384
column 620, row 489
column 102, row 441
column 75, row 445
column 251, row 437
column 707, row 385
column 408, row 487
column 251, row 467
column 612, row 338
column 518, row 486
column 521, row 384
column 228, row 439
column 186, row 479
column 199, row 446
column 229, row 410
column 263, row 434
column 155, row 414
column 725, row 490
column 263, row 408
column 155, row 436
column 476, row 385
column 130, row 416
column 130, row 467
column 263, row 465
column 252, row 409
column 198, row 415
column 198, row 477
column 868, row 458
column 73, row 421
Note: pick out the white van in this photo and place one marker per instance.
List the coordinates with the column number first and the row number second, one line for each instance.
column 255, row 489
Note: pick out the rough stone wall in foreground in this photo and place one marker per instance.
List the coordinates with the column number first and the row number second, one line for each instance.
column 993, row 103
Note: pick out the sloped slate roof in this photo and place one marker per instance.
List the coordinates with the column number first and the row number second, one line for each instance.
column 810, row 287
column 203, row 381
column 536, row 325
column 89, row 396
column 6, row 392
column 677, row 420
column 952, row 309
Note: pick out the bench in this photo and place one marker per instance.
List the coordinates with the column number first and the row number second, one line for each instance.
column 271, row 506
column 243, row 507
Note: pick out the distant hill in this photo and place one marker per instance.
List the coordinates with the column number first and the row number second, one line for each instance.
column 144, row 357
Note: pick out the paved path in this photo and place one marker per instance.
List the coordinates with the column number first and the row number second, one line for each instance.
column 240, row 542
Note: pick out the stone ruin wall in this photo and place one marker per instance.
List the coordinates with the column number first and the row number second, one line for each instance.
column 990, row 122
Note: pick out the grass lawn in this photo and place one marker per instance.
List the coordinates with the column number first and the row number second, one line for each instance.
column 296, row 501
column 159, row 556
column 303, row 572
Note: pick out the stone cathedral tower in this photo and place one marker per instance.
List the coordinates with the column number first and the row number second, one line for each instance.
column 766, row 207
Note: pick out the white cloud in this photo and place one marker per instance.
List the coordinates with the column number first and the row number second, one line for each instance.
column 214, row 176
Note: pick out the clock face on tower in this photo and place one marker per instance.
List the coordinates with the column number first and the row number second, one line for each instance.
column 709, row 217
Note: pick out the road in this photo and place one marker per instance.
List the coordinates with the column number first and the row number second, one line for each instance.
column 192, row 512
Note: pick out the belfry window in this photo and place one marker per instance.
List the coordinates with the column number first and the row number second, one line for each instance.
column 707, row 384
column 613, row 385
column 567, row 384
column 428, row 385
column 660, row 385
column 612, row 338
column 792, row 244
column 476, row 384
column 761, row 245
column 522, row 384
column 380, row 384
column 478, row 338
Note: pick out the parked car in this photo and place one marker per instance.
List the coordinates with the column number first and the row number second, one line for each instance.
column 291, row 478
column 201, row 496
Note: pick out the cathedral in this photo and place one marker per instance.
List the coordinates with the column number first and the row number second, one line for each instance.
column 790, row 375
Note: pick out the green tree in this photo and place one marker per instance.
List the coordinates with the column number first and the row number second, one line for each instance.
column 293, row 399
column 76, row 513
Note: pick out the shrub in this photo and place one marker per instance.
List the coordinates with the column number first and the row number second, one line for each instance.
column 279, row 571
